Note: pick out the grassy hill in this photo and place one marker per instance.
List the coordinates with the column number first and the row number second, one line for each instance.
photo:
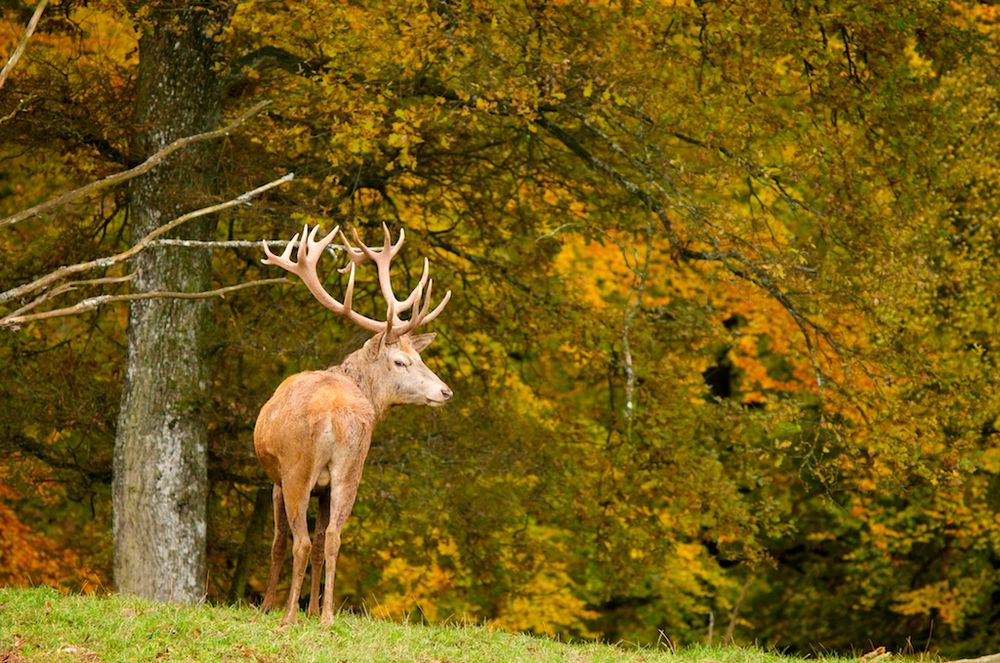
column 43, row 625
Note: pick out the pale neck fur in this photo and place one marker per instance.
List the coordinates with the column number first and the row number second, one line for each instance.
column 359, row 369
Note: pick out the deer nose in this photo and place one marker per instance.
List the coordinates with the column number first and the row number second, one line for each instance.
column 446, row 393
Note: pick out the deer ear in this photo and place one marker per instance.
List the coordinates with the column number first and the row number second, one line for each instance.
column 421, row 341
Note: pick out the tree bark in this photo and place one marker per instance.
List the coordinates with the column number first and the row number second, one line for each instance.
column 160, row 466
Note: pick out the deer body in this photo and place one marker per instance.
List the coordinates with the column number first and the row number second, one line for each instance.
column 314, row 432
column 313, row 435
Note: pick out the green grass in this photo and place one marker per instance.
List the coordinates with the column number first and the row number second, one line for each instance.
column 43, row 625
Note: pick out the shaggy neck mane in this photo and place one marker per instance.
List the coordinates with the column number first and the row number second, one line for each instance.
column 357, row 367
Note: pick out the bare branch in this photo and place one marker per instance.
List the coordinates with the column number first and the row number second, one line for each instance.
column 126, row 175
column 236, row 244
column 602, row 166
column 93, row 302
column 16, row 55
column 639, row 266
column 68, row 287
column 143, row 243
column 20, row 107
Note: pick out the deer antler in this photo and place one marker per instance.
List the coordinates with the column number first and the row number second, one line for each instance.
column 304, row 266
column 418, row 300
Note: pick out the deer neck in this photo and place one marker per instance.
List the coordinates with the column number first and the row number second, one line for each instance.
column 362, row 372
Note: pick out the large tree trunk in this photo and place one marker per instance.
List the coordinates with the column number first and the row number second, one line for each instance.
column 160, row 464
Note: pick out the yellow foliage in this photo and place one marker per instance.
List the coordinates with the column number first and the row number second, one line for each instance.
column 990, row 460
column 546, row 604
column 940, row 597
column 419, row 586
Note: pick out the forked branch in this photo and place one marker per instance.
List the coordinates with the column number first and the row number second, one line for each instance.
column 125, row 175
column 100, row 300
column 52, row 277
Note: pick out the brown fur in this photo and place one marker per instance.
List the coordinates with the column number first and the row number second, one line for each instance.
column 313, row 435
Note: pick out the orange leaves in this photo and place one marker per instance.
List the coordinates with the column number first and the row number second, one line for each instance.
column 597, row 270
column 767, row 346
column 98, row 41
column 28, row 557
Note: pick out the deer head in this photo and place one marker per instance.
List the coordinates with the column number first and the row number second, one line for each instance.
column 400, row 373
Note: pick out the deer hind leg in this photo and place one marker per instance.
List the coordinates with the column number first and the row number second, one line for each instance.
column 343, row 494
column 279, row 547
column 318, row 551
column 296, row 505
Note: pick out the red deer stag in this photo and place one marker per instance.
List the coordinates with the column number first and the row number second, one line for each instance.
column 313, row 435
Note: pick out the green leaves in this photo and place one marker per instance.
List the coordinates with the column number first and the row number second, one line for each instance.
column 724, row 306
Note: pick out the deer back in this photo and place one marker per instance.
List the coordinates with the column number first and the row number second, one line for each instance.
column 311, row 416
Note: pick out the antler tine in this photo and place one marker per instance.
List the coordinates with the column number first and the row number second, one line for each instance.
column 437, row 309
column 425, row 303
column 356, row 256
column 417, row 292
column 414, row 306
column 399, row 242
column 314, row 248
column 285, row 256
column 390, row 321
column 381, row 264
column 421, row 316
column 383, row 259
column 422, row 299
column 369, row 252
column 388, row 248
column 387, row 240
column 303, row 249
column 304, row 266
column 349, row 292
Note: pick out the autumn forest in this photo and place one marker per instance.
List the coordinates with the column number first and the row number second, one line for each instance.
column 724, row 299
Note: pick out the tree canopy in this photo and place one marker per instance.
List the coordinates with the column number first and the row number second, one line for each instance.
column 721, row 337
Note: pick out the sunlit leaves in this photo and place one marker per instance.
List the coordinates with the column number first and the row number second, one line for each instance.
column 723, row 330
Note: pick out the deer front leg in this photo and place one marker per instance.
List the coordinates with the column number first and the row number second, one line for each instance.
column 279, row 547
column 343, row 496
column 318, row 551
column 296, row 505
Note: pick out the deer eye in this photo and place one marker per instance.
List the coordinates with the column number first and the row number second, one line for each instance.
column 400, row 363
